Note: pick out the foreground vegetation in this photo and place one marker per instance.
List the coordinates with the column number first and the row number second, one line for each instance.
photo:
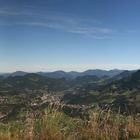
column 51, row 124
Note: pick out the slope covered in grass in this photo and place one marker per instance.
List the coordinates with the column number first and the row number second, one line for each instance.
column 51, row 124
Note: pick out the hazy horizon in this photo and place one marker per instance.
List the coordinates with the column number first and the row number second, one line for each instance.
column 1, row 72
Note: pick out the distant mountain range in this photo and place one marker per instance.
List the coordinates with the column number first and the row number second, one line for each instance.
column 69, row 75
column 119, row 92
column 115, row 87
column 17, row 73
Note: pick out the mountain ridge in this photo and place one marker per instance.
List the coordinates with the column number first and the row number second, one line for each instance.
column 69, row 75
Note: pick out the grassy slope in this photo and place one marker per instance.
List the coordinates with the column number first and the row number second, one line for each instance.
column 51, row 124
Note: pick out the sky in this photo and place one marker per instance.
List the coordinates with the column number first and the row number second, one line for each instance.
column 49, row 35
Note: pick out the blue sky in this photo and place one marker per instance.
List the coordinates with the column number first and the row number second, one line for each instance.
column 49, row 35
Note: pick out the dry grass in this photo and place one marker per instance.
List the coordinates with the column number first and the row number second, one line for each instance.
column 55, row 125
